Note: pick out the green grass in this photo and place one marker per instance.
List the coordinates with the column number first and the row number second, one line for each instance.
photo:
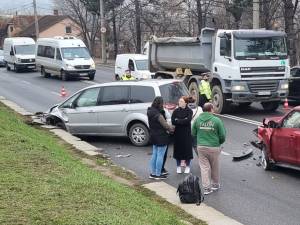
column 42, row 183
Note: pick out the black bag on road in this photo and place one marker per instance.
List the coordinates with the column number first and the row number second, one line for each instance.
column 189, row 190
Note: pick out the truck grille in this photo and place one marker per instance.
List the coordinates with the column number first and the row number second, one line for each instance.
column 82, row 67
column 27, row 60
column 256, row 87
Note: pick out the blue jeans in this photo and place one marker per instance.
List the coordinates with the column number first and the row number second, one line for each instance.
column 157, row 159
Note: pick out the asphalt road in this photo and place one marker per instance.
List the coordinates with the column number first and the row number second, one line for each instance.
column 248, row 193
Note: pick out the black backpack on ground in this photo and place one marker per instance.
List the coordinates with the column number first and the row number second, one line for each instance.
column 189, row 190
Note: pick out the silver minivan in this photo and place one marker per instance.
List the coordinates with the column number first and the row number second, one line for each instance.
column 116, row 108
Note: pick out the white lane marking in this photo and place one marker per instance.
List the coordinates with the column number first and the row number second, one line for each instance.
column 26, row 82
column 55, row 93
column 89, row 82
column 240, row 119
column 225, row 153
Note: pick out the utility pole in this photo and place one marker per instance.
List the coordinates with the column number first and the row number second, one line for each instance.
column 255, row 14
column 103, row 33
column 37, row 32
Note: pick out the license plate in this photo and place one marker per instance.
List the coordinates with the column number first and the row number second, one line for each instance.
column 30, row 67
column 83, row 74
column 264, row 93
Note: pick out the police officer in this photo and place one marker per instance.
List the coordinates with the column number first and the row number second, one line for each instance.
column 205, row 91
column 127, row 76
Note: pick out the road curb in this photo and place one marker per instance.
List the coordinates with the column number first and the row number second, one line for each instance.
column 202, row 212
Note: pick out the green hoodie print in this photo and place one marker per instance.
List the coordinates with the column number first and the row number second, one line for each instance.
column 209, row 130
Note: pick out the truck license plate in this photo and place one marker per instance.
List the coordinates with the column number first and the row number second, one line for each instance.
column 264, row 93
column 31, row 67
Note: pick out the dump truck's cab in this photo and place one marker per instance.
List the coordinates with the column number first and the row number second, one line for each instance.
column 245, row 65
column 250, row 66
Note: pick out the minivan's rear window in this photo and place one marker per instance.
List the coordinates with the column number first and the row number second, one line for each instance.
column 141, row 94
column 173, row 91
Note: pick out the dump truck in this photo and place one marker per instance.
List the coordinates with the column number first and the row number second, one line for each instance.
column 244, row 66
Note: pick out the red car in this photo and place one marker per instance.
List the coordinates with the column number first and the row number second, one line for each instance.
column 279, row 140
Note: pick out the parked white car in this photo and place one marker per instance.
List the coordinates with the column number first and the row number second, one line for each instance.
column 116, row 108
column 65, row 57
column 136, row 63
column 19, row 53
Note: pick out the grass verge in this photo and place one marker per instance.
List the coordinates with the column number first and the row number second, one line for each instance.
column 42, row 183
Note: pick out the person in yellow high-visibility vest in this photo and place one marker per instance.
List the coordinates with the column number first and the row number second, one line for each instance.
column 205, row 91
column 127, row 76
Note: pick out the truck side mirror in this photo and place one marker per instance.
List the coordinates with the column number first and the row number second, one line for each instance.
column 12, row 53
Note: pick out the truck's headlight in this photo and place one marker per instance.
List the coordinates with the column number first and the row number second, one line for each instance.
column 238, row 88
column 284, row 86
column 93, row 66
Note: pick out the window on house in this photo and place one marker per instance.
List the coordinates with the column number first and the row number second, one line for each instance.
column 11, row 29
column 68, row 29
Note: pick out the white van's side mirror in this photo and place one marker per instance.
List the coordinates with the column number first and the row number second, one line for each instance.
column 12, row 53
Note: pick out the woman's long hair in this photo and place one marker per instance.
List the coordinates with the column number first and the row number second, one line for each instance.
column 158, row 103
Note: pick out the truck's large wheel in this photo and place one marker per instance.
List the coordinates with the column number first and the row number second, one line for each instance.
column 194, row 91
column 219, row 101
column 270, row 106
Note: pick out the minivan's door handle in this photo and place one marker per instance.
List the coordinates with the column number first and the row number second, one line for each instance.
column 124, row 110
column 91, row 111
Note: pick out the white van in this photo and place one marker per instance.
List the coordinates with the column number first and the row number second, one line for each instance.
column 137, row 63
column 65, row 57
column 19, row 53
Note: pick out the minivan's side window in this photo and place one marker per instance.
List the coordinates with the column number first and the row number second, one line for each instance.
column 49, row 52
column 88, row 98
column 58, row 55
column 114, row 95
column 141, row 94
column 131, row 65
column 41, row 50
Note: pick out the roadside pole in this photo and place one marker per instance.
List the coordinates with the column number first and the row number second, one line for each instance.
column 103, row 33
column 37, row 32
column 255, row 14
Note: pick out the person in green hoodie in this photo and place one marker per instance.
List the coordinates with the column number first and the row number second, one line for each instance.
column 210, row 133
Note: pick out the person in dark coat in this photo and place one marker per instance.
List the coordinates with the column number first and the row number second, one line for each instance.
column 181, row 119
column 159, row 136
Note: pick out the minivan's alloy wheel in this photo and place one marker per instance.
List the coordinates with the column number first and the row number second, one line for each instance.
column 139, row 134
column 44, row 73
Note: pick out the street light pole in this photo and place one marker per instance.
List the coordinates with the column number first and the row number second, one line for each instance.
column 37, row 32
column 103, row 33
column 255, row 14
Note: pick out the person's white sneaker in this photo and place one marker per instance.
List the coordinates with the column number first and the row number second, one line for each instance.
column 178, row 169
column 215, row 187
column 207, row 191
column 187, row 169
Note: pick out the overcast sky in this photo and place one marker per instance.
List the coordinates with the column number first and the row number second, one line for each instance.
column 25, row 6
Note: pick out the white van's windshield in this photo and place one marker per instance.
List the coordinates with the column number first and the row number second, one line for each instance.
column 24, row 49
column 141, row 64
column 76, row 52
